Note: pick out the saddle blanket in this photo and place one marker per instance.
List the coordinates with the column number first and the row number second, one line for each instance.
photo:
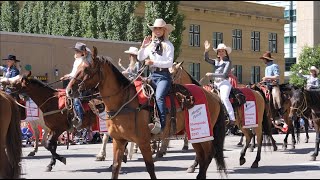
column 63, row 99
column 249, row 109
column 197, row 121
column 101, row 124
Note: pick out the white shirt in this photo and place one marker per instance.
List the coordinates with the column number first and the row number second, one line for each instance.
column 76, row 64
column 164, row 61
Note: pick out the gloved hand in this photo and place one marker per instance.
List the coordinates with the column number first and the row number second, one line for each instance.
column 4, row 79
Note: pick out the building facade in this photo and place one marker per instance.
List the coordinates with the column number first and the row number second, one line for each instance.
column 249, row 28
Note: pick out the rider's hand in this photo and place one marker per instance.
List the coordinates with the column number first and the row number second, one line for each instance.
column 300, row 71
column 264, row 79
column 148, row 62
column 119, row 62
column 209, row 74
column 206, row 46
column 63, row 78
column 146, row 41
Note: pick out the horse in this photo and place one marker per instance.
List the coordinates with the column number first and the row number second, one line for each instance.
column 306, row 103
column 56, row 120
column 131, row 123
column 180, row 75
column 10, row 138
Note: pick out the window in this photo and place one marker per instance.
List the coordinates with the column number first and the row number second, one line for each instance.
column 273, row 42
column 293, row 15
column 255, row 74
column 217, row 39
column 194, row 70
column 286, row 40
column 289, row 62
column 194, row 35
column 238, row 72
column 255, row 41
column 237, row 39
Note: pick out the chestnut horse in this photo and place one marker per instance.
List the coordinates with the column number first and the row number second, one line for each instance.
column 56, row 120
column 181, row 76
column 131, row 123
column 10, row 138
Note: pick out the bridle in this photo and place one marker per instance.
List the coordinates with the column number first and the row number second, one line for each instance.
column 303, row 106
column 178, row 74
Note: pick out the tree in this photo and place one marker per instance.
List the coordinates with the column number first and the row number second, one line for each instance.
column 9, row 16
column 75, row 29
column 61, row 18
column 50, row 8
column 308, row 57
column 88, row 19
column 101, row 17
column 135, row 29
column 168, row 11
column 41, row 17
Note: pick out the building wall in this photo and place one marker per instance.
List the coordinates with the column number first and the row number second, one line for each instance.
column 47, row 53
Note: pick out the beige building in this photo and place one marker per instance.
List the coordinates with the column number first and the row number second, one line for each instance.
column 250, row 29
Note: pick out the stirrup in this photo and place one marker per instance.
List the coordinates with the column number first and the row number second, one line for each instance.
column 156, row 128
column 77, row 122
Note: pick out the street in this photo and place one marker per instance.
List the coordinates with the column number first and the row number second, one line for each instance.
column 81, row 164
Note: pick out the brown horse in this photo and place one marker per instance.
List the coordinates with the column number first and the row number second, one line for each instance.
column 127, row 122
column 10, row 138
column 55, row 119
column 183, row 77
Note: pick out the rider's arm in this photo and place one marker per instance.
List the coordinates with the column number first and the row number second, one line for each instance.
column 276, row 72
column 206, row 58
column 143, row 53
column 166, row 60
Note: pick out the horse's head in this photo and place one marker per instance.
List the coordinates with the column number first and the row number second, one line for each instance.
column 176, row 70
column 297, row 101
column 87, row 76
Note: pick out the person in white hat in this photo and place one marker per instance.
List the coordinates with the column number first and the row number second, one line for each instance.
column 223, row 67
column 160, row 52
column 134, row 65
column 312, row 79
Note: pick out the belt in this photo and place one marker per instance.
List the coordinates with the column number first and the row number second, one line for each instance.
column 160, row 69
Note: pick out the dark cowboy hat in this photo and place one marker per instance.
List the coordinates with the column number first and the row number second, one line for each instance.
column 267, row 55
column 11, row 57
column 80, row 47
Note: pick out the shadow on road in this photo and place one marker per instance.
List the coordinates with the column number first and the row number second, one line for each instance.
column 66, row 156
column 276, row 169
column 299, row 151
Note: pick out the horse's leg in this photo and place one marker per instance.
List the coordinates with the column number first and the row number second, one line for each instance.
column 34, row 126
column 316, row 149
column 164, row 147
column 253, row 141
column 285, row 141
column 52, row 147
column 255, row 164
column 147, row 157
column 240, row 142
column 293, row 136
column 192, row 168
column 306, row 127
column 135, row 150
column 248, row 134
column 125, row 154
column 185, row 143
column 102, row 153
column 200, row 157
column 118, row 150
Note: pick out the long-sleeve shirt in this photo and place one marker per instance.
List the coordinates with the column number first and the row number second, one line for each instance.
column 9, row 72
column 312, row 82
column 222, row 68
column 132, row 73
column 164, row 61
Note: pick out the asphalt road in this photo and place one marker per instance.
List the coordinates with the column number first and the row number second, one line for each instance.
column 81, row 164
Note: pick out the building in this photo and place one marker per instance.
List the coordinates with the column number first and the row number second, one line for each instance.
column 249, row 28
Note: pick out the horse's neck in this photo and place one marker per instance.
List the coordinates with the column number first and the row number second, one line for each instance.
column 40, row 95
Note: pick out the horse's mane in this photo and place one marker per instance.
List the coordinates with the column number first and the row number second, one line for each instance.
column 313, row 98
column 194, row 81
column 124, row 81
column 40, row 83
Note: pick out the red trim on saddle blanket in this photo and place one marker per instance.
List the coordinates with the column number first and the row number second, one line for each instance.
column 62, row 100
column 265, row 91
column 144, row 100
column 199, row 130
column 250, row 103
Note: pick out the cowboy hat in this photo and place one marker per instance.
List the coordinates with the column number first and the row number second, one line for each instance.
column 223, row 46
column 11, row 57
column 80, row 47
column 132, row 50
column 267, row 55
column 314, row 68
column 161, row 23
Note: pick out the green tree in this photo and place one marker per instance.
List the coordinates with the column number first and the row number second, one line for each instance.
column 50, row 10
column 168, row 11
column 135, row 29
column 9, row 16
column 61, row 19
column 308, row 57
column 101, row 17
column 88, row 19
column 75, row 29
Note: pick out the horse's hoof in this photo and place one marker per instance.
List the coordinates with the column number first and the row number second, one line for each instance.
column 135, row 151
column 255, row 165
column 159, row 155
column 275, row 148
column 242, row 161
column 31, row 154
column 239, row 144
column 124, row 158
column 191, row 169
column 313, row 158
column 49, row 168
column 251, row 149
column 185, row 148
column 284, row 147
column 293, row 146
column 100, row 158
column 306, row 140
column 64, row 160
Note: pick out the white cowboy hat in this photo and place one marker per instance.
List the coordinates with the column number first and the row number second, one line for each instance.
column 132, row 50
column 223, row 46
column 161, row 23
column 314, row 68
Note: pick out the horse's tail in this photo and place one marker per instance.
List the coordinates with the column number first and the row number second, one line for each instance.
column 219, row 134
column 14, row 142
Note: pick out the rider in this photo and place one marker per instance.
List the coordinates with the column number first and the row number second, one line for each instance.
column 312, row 79
column 272, row 75
column 222, row 69
column 134, row 65
column 82, row 55
column 161, row 52
column 10, row 70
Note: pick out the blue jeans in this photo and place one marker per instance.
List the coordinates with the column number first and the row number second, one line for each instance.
column 78, row 108
column 161, row 82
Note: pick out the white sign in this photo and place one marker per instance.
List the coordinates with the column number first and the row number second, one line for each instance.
column 198, row 123
column 250, row 116
column 32, row 111
column 103, row 122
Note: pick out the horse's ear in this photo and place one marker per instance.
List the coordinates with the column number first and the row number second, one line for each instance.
column 179, row 64
column 95, row 53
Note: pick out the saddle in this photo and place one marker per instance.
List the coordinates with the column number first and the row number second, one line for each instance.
column 236, row 97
